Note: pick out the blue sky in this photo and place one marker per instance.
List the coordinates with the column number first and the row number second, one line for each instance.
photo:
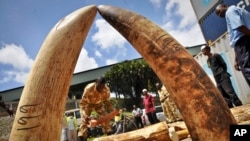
column 25, row 24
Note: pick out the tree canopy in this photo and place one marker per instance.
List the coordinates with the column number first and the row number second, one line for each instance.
column 130, row 77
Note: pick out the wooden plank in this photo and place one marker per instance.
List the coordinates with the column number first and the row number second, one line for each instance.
column 154, row 132
column 242, row 114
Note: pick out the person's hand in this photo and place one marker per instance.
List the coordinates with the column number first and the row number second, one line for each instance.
column 165, row 97
column 87, row 119
column 236, row 66
column 92, row 123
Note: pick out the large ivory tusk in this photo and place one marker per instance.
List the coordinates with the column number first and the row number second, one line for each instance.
column 205, row 113
column 42, row 104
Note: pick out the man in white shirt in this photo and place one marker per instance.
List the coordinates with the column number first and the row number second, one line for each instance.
column 137, row 113
column 238, row 27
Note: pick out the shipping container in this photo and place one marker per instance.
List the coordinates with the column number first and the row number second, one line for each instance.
column 211, row 25
column 221, row 46
column 202, row 7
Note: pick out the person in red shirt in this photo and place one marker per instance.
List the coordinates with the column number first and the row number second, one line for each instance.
column 148, row 102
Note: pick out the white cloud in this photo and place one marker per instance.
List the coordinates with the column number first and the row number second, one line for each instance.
column 192, row 36
column 111, row 61
column 15, row 56
column 7, row 76
column 185, row 29
column 19, row 62
column 181, row 24
column 187, row 13
column 183, row 9
column 16, row 76
column 106, row 36
column 85, row 62
column 110, row 41
column 156, row 3
column 98, row 53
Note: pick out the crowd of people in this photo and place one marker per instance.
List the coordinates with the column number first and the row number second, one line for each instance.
column 96, row 97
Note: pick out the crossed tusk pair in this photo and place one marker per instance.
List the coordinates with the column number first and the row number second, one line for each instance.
column 43, row 100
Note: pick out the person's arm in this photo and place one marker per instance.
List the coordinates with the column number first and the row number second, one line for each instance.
column 164, row 94
column 141, row 112
column 236, row 65
column 163, row 98
column 109, row 105
column 75, row 123
column 143, row 103
column 152, row 100
column 83, row 102
column 222, row 62
column 244, row 30
column 67, row 121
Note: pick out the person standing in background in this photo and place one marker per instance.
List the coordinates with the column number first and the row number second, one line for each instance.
column 222, row 77
column 72, row 126
column 65, row 133
column 238, row 27
column 5, row 107
column 169, row 108
column 148, row 102
column 137, row 113
column 120, row 120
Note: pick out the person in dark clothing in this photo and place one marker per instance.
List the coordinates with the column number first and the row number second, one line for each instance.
column 222, row 77
column 5, row 107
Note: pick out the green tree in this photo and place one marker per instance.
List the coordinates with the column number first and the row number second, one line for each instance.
column 129, row 78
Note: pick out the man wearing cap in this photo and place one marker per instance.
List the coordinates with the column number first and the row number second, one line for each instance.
column 222, row 77
column 95, row 97
column 148, row 102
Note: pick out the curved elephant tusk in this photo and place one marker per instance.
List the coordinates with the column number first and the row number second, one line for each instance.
column 42, row 103
column 204, row 111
